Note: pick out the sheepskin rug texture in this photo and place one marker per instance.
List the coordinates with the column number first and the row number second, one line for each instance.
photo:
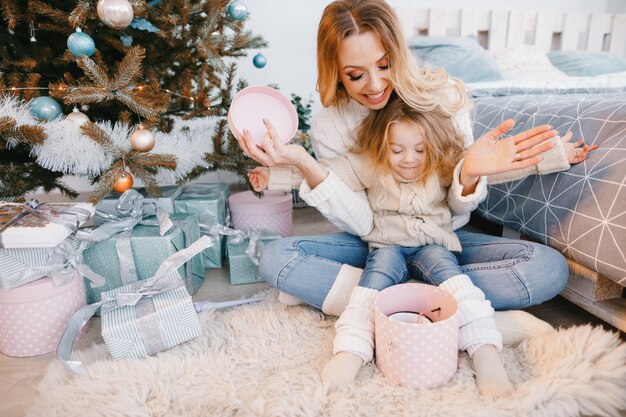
column 265, row 360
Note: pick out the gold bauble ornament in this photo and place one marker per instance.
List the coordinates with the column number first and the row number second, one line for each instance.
column 124, row 182
column 116, row 14
column 142, row 140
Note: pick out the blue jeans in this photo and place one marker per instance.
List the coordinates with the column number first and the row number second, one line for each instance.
column 512, row 273
column 392, row 265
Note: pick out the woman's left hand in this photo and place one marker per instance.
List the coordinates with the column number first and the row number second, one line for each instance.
column 488, row 155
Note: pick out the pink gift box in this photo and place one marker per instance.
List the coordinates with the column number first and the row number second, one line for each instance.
column 273, row 212
column 416, row 354
column 33, row 316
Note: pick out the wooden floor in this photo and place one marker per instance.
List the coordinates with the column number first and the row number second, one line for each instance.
column 19, row 376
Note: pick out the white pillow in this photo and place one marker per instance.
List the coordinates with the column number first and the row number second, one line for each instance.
column 526, row 62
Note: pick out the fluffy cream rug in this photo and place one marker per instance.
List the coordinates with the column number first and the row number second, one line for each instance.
column 264, row 360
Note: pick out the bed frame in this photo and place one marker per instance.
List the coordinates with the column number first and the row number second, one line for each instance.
column 499, row 29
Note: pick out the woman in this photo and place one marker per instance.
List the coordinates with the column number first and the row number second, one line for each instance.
column 362, row 58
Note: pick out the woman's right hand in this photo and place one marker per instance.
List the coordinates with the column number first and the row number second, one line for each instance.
column 259, row 178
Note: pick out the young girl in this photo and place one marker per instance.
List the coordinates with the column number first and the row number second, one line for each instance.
column 362, row 59
column 405, row 160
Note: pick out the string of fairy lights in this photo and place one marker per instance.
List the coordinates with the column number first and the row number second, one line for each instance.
column 139, row 88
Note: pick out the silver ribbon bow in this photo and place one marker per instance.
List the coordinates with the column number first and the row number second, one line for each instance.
column 130, row 208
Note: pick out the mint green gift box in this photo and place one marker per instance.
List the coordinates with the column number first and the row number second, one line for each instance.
column 240, row 267
column 207, row 201
column 149, row 250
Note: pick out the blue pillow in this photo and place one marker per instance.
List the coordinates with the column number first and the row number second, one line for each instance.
column 461, row 57
column 585, row 63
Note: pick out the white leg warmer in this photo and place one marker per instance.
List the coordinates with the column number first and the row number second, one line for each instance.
column 339, row 294
column 476, row 324
column 355, row 326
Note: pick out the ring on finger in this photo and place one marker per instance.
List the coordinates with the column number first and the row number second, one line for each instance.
column 518, row 156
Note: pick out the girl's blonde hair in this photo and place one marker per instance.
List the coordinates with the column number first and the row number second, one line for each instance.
column 443, row 141
column 418, row 86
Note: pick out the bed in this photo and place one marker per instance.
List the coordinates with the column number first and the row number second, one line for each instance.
column 567, row 70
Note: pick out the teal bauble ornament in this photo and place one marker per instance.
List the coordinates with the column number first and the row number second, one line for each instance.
column 237, row 10
column 45, row 108
column 80, row 44
column 259, row 60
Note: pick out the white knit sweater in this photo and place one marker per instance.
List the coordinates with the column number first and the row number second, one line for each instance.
column 407, row 213
column 333, row 133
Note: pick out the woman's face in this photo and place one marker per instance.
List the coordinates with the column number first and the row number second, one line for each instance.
column 406, row 143
column 364, row 70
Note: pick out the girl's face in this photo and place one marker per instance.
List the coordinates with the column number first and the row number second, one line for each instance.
column 364, row 70
column 406, row 143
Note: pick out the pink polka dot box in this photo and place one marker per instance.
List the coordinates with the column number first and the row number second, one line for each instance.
column 273, row 212
column 33, row 316
column 417, row 335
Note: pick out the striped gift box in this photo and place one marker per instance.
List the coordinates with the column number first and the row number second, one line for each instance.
column 17, row 263
column 153, row 324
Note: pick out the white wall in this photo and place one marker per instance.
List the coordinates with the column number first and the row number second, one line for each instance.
column 289, row 27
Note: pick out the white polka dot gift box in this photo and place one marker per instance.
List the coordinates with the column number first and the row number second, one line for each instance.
column 272, row 212
column 417, row 335
column 33, row 316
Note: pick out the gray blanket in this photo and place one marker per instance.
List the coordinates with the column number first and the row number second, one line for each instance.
column 581, row 212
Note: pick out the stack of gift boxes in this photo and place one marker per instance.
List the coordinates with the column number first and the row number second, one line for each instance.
column 38, row 291
column 134, row 249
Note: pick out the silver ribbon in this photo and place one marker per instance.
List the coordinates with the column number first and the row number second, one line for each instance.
column 130, row 208
column 139, row 290
column 63, row 262
column 253, row 250
column 189, row 265
column 70, row 217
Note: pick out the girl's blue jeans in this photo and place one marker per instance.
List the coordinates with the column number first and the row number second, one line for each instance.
column 392, row 265
column 512, row 273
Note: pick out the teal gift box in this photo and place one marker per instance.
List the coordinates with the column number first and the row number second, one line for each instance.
column 149, row 249
column 241, row 268
column 207, row 201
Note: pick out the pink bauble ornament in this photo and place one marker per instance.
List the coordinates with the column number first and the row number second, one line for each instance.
column 77, row 117
column 116, row 14
column 142, row 140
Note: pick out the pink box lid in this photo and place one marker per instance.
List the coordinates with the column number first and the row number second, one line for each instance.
column 37, row 290
column 246, row 202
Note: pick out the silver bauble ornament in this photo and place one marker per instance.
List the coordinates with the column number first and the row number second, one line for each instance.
column 142, row 140
column 116, row 14
column 77, row 117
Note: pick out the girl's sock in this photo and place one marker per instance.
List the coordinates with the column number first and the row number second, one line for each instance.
column 354, row 341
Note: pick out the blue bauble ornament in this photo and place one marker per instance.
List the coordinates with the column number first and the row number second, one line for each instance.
column 237, row 10
column 80, row 44
column 45, row 108
column 259, row 60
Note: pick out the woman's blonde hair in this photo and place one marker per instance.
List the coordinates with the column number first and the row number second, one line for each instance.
column 443, row 141
column 418, row 86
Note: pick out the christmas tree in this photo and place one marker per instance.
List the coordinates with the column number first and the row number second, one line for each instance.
column 102, row 89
